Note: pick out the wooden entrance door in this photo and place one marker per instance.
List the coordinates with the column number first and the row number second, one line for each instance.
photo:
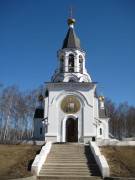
column 72, row 130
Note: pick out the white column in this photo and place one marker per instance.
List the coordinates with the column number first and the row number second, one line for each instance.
column 102, row 104
column 83, row 66
column 66, row 64
column 76, row 64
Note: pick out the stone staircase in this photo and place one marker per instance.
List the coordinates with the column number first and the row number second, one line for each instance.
column 70, row 161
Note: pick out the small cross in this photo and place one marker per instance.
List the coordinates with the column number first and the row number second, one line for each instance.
column 41, row 89
column 101, row 88
column 71, row 11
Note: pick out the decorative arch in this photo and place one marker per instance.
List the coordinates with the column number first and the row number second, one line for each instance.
column 85, row 79
column 80, row 53
column 58, row 79
column 63, row 125
column 70, row 76
column 61, row 53
column 64, row 93
column 71, row 51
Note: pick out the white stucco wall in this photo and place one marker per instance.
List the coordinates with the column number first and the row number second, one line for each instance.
column 57, row 118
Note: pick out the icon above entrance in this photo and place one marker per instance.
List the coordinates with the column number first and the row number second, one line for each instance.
column 70, row 104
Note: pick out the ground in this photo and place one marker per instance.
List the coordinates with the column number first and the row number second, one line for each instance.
column 121, row 160
column 16, row 160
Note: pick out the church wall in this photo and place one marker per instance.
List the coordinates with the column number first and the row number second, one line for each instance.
column 104, row 128
column 85, row 115
column 38, row 132
column 88, row 121
column 52, row 119
column 88, row 115
column 96, row 108
column 55, row 119
column 46, row 107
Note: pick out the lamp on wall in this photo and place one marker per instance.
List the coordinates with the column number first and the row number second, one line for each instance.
column 45, row 122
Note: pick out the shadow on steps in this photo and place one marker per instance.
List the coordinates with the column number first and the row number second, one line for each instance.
column 91, row 163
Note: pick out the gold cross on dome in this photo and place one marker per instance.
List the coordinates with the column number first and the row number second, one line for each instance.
column 71, row 11
column 101, row 88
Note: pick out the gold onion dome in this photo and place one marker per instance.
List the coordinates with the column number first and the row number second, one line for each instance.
column 71, row 21
column 101, row 98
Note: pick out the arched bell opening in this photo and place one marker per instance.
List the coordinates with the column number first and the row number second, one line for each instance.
column 80, row 64
column 71, row 63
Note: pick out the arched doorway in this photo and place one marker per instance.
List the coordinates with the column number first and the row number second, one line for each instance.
column 72, row 130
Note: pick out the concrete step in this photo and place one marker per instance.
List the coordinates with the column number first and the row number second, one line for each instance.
column 54, row 177
column 93, row 173
column 69, row 174
column 62, row 171
column 66, row 168
column 69, row 156
column 58, row 151
column 76, row 155
column 70, row 165
column 68, row 160
column 66, row 152
column 68, row 145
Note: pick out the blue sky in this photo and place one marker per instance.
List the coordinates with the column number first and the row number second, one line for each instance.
column 32, row 31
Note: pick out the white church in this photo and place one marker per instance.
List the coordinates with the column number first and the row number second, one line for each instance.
column 70, row 111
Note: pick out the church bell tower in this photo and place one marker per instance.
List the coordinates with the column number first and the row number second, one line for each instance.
column 71, row 59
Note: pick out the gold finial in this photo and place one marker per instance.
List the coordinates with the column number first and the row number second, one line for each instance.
column 71, row 21
column 101, row 97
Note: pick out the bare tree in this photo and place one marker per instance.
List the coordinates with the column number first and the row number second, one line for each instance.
column 122, row 119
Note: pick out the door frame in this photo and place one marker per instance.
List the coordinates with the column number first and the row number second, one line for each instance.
column 72, row 130
column 63, row 134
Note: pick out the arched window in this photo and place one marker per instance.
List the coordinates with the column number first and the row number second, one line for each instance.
column 80, row 64
column 71, row 63
column 100, row 131
column 71, row 80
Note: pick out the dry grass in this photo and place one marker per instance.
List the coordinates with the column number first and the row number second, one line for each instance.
column 16, row 160
column 121, row 160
